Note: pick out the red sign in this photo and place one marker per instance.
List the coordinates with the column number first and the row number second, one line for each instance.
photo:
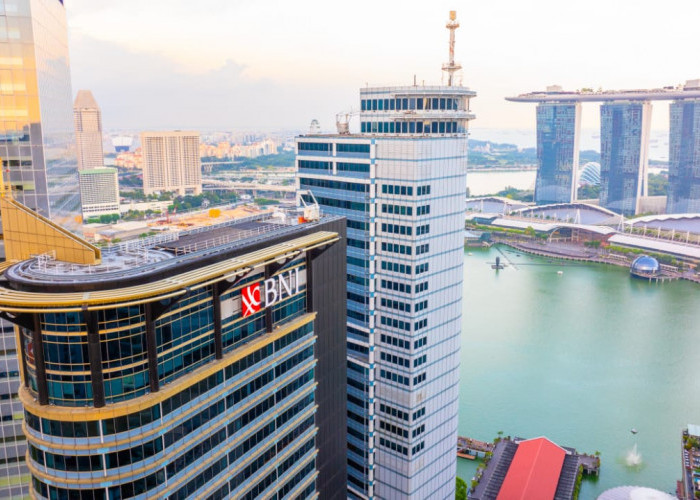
column 250, row 299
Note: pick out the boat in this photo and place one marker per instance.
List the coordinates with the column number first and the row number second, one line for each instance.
column 560, row 273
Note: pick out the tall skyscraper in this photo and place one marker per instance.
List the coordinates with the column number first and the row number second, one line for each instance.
column 36, row 133
column 171, row 162
column 684, row 158
column 88, row 131
column 14, row 474
column 401, row 185
column 624, row 154
column 558, row 128
column 194, row 370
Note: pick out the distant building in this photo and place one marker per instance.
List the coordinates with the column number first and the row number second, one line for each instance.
column 36, row 132
column 684, row 158
column 558, row 128
column 99, row 190
column 624, row 149
column 171, row 162
column 590, row 174
column 122, row 143
column 88, row 131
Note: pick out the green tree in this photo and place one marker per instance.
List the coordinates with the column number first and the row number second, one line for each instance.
column 461, row 489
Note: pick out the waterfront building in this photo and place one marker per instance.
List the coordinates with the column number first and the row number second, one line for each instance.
column 558, row 130
column 523, row 469
column 400, row 183
column 624, row 149
column 171, row 162
column 201, row 365
column 99, row 191
column 36, row 132
column 689, row 485
column 684, row 158
column 88, row 131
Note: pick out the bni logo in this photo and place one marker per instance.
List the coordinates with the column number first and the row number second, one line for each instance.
column 250, row 299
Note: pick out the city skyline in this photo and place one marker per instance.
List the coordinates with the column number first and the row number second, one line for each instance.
column 307, row 61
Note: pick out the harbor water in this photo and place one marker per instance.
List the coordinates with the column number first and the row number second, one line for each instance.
column 582, row 357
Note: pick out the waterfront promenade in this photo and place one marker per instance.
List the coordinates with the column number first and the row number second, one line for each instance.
column 574, row 252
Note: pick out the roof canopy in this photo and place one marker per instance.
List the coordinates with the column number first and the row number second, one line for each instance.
column 534, row 471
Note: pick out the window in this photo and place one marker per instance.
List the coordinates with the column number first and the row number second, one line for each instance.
column 314, row 165
column 314, row 146
column 397, row 287
column 418, row 325
column 397, row 190
column 352, row 167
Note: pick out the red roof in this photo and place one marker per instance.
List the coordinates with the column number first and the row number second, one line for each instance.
column 534, row 471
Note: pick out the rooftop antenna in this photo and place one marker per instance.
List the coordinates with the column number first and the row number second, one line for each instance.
column 452, row 67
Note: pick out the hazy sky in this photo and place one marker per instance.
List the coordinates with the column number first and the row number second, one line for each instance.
column 271, row 64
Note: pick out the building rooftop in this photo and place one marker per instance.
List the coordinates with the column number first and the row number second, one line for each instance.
column 137, row 261
column 534, row 471
column 662, row 94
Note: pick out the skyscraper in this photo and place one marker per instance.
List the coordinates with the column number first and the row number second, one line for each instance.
column 684, row 158
column 171, row 162
column 36, row 133
column 624, row 154
column 88, row 131
column 205, row 368
column 558, row 128
column 401, row 184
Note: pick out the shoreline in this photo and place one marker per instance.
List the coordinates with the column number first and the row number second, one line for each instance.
column 581, row 258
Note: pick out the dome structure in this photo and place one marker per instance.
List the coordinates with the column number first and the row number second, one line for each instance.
column 590, row 174
column 645, row 265
column 634, row 493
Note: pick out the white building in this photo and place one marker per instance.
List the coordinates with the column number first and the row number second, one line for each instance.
column 88, row 131
column 401, row 184
column 171, row 162
column 99, row 190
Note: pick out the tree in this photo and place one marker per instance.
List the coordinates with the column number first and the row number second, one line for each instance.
column 461, row 489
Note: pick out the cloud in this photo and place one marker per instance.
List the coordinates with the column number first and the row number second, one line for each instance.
column 146, row 90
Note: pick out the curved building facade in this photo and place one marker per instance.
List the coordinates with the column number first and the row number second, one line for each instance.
column 191, row 376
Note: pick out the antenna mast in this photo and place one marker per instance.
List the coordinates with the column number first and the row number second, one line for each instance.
column 452, row 67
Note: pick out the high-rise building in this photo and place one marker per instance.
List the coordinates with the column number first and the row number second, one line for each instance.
column 171, row 162
column 88, row 131
column 624, row 154
column 401, row 184
column 99, row 191
column 558, row 128
column 14, row 474
column 684, row 158
column 205, row 367
column 37, row 145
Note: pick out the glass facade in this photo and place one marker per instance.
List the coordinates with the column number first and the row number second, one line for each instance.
column 37, row 143
column 163, row 414
column 557, row 152
column 624, row 146
column 684, row 158
column 14, row 475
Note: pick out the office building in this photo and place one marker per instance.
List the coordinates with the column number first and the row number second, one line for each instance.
column 99, row 192
column 88, row 131
column 36, row 133
column 185, row 367
column 684, row 158
column 14, row 474
column 171, row 162
column 624, row 150
column 400, row 183
column 558, row 127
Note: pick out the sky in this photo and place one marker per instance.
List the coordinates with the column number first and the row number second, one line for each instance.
column 272, row 65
